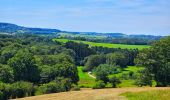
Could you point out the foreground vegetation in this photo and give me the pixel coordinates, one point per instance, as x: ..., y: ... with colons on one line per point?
x: 108, y: 45
x: 148, y: 95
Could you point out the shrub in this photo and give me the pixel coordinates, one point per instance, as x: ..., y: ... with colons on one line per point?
x: 58, y: 85
x: 114, y: 81
x: 51, y: 87
x: 21, y: 89
x: 1, y: 95
x: 99, y: 85
x: 5, y: 91
x: 75, y: 88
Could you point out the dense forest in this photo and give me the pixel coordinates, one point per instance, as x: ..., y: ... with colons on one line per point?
x: 33, y: 65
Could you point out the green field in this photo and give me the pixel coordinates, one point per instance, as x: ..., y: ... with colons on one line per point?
x: 108, y: 45
x: 125, y: 71
x: 148, y: 95
x: 85, y: 79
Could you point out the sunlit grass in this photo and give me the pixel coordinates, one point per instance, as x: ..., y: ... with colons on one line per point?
x: 148, y: 95
x: 108, y: 45
x: 84, y: 79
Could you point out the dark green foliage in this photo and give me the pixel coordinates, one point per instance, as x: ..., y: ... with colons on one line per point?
x: 94, y: 61
x: 114, y: 81
x: 8, y: 52
x: 6, y: 74
x: 99, y: 85
x: 144, y: 78
x: 34, y: 59
x: 157, y: 61
x: 117, y: 58
x: 59, y: 85
x: 60, y: 65
x: 24, y: 66
x: 21, y: 89
x: 102, y: 73
x: 81, y: 50
x: 5, y: 91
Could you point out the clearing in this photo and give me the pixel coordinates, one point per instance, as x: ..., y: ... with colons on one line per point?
x: 97, y: 94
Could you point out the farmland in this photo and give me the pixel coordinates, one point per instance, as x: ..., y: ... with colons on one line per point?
x: 108, y: 45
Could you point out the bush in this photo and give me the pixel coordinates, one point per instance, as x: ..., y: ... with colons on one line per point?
x: 1, y: 96
x: 75, y: 88
x: 22, y: 89
x: 114, y: 81
x: 58, y: 85
x: 5, y: 91
x: 51, y: 87
x: 99, y: 85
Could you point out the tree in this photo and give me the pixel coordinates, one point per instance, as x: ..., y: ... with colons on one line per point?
x: 116, y: 58
x: 102, y: 73
x: 99, y: 85
x: 114, y: 81
x: 6, y: 74
x: 60, y: 65
x: 81, y: 50
x: 94, y: 61
x: 24, y: 66
x: 144, y: 78
x: 157, y: 61
x: 8, y: 52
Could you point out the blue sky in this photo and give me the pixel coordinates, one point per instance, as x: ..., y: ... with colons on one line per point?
x: 126, y: 16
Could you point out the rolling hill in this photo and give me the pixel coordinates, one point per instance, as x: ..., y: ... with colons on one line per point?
x: 8, y: 28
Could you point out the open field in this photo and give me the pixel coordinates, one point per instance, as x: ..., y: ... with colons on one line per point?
x: 85, y: 79
x: 133, y: 69
x: 97, y: 94
x: 108, y: 45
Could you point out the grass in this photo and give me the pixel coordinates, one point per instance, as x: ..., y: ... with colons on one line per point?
x: 108, y: 45
x: 125, y: 71
x: 148, y: 95
x: 84, y: 79
x: 87, y: 81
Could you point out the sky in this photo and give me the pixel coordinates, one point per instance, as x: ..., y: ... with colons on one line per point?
x: 151, y: 17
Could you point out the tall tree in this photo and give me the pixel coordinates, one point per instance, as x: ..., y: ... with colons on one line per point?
x: 157, y: 61
x: 24, y: 66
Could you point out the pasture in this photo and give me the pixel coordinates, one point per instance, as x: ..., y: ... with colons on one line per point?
x: 108, y: 45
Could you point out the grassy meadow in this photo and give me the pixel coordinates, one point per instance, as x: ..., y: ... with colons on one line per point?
x: 148, y: 95
x: 88, y: 82
x: 108, y: 45
x: 84, y: 79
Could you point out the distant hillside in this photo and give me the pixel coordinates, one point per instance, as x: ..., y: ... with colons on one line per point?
x: 8, y: 28
x: 14, y: 29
